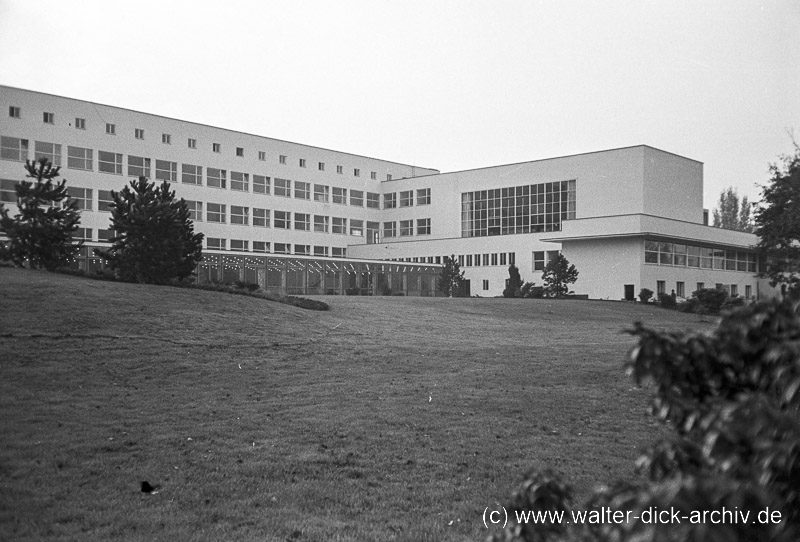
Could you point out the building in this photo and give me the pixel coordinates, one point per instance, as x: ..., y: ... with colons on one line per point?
x: 301, y: 219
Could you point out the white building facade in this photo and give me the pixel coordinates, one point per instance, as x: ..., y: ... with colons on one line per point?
x: 628, y: 218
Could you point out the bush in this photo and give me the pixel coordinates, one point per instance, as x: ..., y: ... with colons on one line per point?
x: 690, y: 305
x: 667, y: 300
x: 249, y: 286
x: 645, y: 294
x: 530, y: 291
x: 710, y: 300
x: 733, y: 302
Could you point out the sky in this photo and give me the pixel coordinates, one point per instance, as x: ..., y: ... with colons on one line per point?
x: 446, y: 84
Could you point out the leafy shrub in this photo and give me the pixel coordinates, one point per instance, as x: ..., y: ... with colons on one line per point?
x: 667, y: 300
x: 733, y: 302
x: 250, y: 286
x: 645, y: 294
x: 690, y: 305
x: 530, y: 290
x: 710, y: 299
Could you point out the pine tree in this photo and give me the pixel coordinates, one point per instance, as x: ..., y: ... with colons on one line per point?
x: 451, y: 277
x: 41, y: 233
x: 557, y: 275
x: 154, y: 240
x: 514, y: 283
x: 731, y: 213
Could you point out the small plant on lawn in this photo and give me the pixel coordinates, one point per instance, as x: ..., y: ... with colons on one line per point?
x: 41, y: 231
x: 558, y: 275
x: 451, y: 277
x: 645, y: 294
x: 154, y: 240
x: 514, y: 282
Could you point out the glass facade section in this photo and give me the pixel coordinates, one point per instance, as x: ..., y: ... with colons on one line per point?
x: 681, y: 255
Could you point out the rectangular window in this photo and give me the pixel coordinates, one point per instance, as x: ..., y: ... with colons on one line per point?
x: 166, y: 139
x: 83, y: 234
x: 214, y: 243
x: 701, y: 285
x: 138, y: 133
x: 79, y: 158
x: 357, y: 172
x: 14, y: 112
x: 538, y: 260
x: 283, y: 187
x: 748, y: 291
x: 240, y: 151
x: 240, y: 215
x: 406, y: 228
x: 240, y: 244
x: 260, y: 217
x: 406, y: 198
x: 109, y: 162
x: 512, y: 258
x: 373, y: 175
x: 191, y: 174
x: 80, y: 124
x: 302, y: 221
x: 680, y: 289
x: 321, y: 193
x: 388, y: 177
x: 49, y: 151
x: 195, y: 210
x: 282, y: 220
x: 12, y: 148
x: 262, y: 155
x: 340, y: 195
x: 338, y: 252
x: 261, y: 184
x: 104, y: 236
x: 192, y: 143
x: 321, y: 224
x: 49, y: 118
x: 390, y: 201
x: 339, y: 225
x: 340, y: 169
x: 216, y: 147
x: 494, y: 259
x: 734, y: 290
x: 661, y: 287
x: 423, y: 226
x: 104, y: 200
x: 356, y: 227
x: 260, y: 246
x: 215, y: 212
x: 82, y: 195
x: 423, y: 196
x: 373, y: 200
x: 485, y: 284
x: 502, y: 258
x: 282, y: 159
x: 389, y: 229
x: 302, y: 162
x: 216, y: 178
x: 469, y: 260
x: 240, y: 181
x: 321, y: 251
x: 138, y: 166
x: 321, y: 166
x: 282, y: 248
x: 167, y: 171
x: 111, y: 129
x: 8, y: 193
x: 302, y: 190
x: 357, y: 198
x: 302, y: 250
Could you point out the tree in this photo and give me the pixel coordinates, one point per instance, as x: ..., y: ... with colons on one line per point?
x: 154, y: 240
x: 451, y: 277
x: 777, y: 221
x: 731, y: 214
x: 514, y: 283
x: 557, y: 275
x: 41, y: 233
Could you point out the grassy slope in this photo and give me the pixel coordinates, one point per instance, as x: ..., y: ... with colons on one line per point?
x: 384, y: 418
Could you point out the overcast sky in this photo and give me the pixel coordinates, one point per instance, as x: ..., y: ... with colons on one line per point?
x: 445, y: 84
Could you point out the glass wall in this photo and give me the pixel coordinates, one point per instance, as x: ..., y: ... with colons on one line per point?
x: 683, y: 255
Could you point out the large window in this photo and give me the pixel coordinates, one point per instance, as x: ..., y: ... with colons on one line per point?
x: 215, y: 212
x: 214, y: 243
x: 240, y: 215
x: 261, y: 184
x: 195, y: 210
x: 240, y: 181
x: 517, y: 209
x: 390, y: 201
x: 406, y: 198
x: 7, y: 191
x: 49, y: 151
x: 282, y: 220
x: 109, y: 162
x: 302, y: 221
x: 340, y: 195
x: 283, y: 187
x: 321, y: 223
x: 82, y: 195
x: 12, y: 148
x: 79, y: 158
x: 373, y: 200
x: 216, y: 178
x: 321, y: 193
x: 682, y: 255
x: 191, y: 174
x: 138, y: 167
x: 166, y: 171
x: 260, y: 217
x: 240, y: 244
x: 339, y: 225
x: 302, y: 190
x: 357, y: 198
x: 357, y: 227
x: 423, y: 196
x: 390, y: 229
x: 104, y: 200
x: 423, y: 226
x: 406, y: 228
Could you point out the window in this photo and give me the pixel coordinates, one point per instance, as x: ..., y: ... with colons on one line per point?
x: 406, y: 228
x: 167, y: 171
x: 748, y: 291
x: 260, y: 246
x: 339, y: 225
x: 302, y: 162
x: 213, y: 243
x: 104, y: 236
x: 423, y: 196
x: 701, y: 285
x: 469, y: 260
x: 12, y: 148
x: 166, y: 139
x: 373, y: 200
x: 104, y: 200
x: 282, y: 220
x: 661, y: 287
x: 302, y: 250
x: 195, y: 210
x: 321, y: 224
x: 406, y: 198
x: 734, y: 290
x: 302, y: 221
x: 680, y: 289
x: 14, y: 112
x: 79, y: 158
x: 138, y: 166
x: 302, y: 190
x: 216, y: 147
x: 321, y: 166
x: 538, y: 260
x: 7, y: 191
x: 389, y: 229
x: 191, y: 174
x: 338, y: 252
x: 139, y: 133
x: 357, y: 198
x: 261, y: 184
x: 216, y: 178
x: 109, y: 162
x: 215, y: 212
x: 502, y: 258
x: 357, y: 172
x: 388, y: 176
x: 49, y: 118
x: 424, y: 226
x: 260, y: 217
x: 282, y: 159
x: 80, y: 124
x: 356, y: 227
x: 283, y: 187
x: 262, y: 155
x: 340, y: 195
x: 50, y: 151
x: 339, y: 169
x: 239, y: 244
x: 512, y: 258
x: 240, y: 215
x: 83, y: 234
x: 82, y: 195
x: 239, y: 152
x: 390, y: 201
x: 321, y: 251
x: 373, y: 175
x: 494, y: 259
x: 111, y: 129
x: 282, y: 248
x: 240, y: 181
x: 321, y: 193
x: 192, y: 143
x: 485, y: 284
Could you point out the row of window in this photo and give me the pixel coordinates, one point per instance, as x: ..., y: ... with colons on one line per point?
x: 468, y: 260
x: 683, y: 255
x: 680, y: 288
x: 243, y: 245
x: 139, y: 133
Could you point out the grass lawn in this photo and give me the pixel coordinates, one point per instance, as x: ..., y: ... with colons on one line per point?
x: 382, y: 419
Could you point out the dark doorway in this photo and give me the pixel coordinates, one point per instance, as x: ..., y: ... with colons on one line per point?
x: 629, y: 295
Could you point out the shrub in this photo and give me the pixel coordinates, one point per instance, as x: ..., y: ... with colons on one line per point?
x: 249, y: 286
x: 733, y: 302
x: 530, y: 290
x: 514, y: 282
x: 667, y: 300
x: 710, y: 299
x: 690, y: 305
x: 645, y: 294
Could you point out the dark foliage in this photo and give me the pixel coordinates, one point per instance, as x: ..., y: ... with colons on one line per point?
x: 530, y: 290
x: 645, y: 294
x: 558, y: 275
x: 514, y: 282
x: 451, y: 277
x: 710, y: 300
x: 667, y: 301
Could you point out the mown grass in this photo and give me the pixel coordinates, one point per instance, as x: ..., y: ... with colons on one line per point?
x: 381, y: 419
